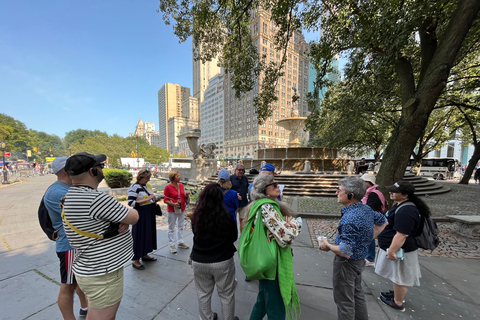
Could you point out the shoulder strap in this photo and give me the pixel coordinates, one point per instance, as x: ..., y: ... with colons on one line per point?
x: 80, y: 232
x: 407, y: 203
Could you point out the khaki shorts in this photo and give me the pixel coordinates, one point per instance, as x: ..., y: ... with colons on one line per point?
x: 102, y: 291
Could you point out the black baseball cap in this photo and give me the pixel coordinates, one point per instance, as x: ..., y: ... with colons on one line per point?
x: 402, y: 186
x: 82, y: 162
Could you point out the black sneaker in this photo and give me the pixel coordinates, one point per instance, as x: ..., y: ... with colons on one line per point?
x: 392, y: 304
x: 387, y: 294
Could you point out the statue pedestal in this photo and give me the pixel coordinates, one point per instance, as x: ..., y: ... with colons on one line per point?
x: 202, y: 169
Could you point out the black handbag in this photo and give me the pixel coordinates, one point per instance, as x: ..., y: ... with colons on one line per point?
x: 158, y: 210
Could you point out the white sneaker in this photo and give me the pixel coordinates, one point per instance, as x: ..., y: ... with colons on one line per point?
x: 173, y: 249
x: 183, y: 245
x: 369, y: 264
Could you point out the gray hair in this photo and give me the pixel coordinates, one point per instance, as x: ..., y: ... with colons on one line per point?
x: 354, y: 185
x: 258, y: 186
x: 258, y: 192
x: 239, y: 165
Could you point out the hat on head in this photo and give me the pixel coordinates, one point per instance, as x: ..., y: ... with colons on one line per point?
x: 224, y: 175
x: 82, y: 162
x: 402, y: 186
x: 58, y: 164
x: 268, y: 167
x: 369, y: 177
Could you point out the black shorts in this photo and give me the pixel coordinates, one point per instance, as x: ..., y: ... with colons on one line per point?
x: 66, y: 266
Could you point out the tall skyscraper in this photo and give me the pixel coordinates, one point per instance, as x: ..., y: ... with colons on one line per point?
x: 212, y: 115
x: 202, y: 73
x: 243, y: 134
x: 177, y: 112
x: 170, y: 98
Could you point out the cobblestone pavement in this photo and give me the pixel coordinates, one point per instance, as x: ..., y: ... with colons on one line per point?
x: 460, y: 200
x: 451, y: 245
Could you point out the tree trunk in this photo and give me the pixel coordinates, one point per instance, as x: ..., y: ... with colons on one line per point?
x: 418, y: 105
x: 471, y: 164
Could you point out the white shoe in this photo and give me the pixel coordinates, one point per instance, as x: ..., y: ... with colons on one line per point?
x: 173, y: 249
x: 369, y: 264
x: 183, y: 245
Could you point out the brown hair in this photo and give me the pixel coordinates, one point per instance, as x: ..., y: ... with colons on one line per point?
x: 172, y: 174
x: 143, y: 174
x: 225, y: 184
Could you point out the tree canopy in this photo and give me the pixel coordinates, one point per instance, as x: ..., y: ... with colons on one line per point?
x: 416, y: 41
x: 19, y: 139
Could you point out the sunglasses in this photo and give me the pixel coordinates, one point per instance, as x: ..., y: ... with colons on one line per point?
x: 275, y: 185
x: 101, y: 165
x: 241, y: 170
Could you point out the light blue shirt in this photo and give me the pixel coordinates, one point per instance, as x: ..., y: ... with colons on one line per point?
x: 52, y: 198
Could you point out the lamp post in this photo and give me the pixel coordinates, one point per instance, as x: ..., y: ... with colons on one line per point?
x: 3, y: 145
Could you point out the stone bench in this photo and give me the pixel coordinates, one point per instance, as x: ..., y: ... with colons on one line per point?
x: 468, y: 226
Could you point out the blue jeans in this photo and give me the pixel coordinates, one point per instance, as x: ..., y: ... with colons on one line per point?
x: 371, y: 251
x: 269, y: 301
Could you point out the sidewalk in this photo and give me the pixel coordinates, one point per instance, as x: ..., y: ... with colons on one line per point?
x: 165, y: 289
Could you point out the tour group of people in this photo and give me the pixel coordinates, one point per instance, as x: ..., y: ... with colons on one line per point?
x: 98, y: 236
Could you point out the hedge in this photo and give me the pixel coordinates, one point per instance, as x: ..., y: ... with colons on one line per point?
x: 117, y: 178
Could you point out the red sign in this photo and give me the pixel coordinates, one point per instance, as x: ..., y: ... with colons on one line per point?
x: 7, y: 154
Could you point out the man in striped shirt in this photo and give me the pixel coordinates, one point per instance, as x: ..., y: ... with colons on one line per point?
x: 65, y: 252
x: 100, y: 257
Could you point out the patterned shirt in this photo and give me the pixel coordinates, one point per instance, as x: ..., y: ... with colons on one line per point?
x: 355, y: 230
x: 283, y: 232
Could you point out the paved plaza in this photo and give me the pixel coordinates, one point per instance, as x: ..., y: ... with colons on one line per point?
x: 165, y: 289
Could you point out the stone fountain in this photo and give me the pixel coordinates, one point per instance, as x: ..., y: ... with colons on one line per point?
x: 294, y: 123
x: 295, y: 157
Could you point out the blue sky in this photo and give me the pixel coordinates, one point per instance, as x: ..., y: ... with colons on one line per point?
x: 67, y: 65
x: 95, y: 65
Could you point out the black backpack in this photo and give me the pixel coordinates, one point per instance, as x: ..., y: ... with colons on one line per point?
x: 427, y: 233
x: 46, y: 222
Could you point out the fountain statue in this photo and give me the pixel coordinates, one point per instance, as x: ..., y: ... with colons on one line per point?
x: 294, y: 123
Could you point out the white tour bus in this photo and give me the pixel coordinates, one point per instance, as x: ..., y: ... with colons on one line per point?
x: 436, y: 168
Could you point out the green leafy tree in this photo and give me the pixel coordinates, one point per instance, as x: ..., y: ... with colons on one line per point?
x: 462, y: 94
x: 15, y: 134
x: 356, y: 116
x: 77, y: 136
x: 46, y: 144
x: 420, y: 41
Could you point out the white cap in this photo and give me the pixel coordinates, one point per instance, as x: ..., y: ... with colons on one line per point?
x: 58, y: 164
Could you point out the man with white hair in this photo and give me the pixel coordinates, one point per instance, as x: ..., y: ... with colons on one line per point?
x: 65, y: 252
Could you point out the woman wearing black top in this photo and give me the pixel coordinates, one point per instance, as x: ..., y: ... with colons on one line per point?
x: 404, y: 221
x: 214, y: 232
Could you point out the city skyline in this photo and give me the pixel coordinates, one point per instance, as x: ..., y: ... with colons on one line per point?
x: 94, y: 66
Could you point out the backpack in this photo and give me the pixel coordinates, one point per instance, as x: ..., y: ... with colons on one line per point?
x: 46, y: 222
x: 427, y: 234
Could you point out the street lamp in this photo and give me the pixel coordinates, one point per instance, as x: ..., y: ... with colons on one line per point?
x: 3, y: 145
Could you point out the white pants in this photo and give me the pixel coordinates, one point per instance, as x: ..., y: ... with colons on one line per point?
x: 179, y: 220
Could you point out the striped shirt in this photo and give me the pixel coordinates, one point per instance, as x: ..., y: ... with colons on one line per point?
x: 92, y: 211
x: 138, y: 192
